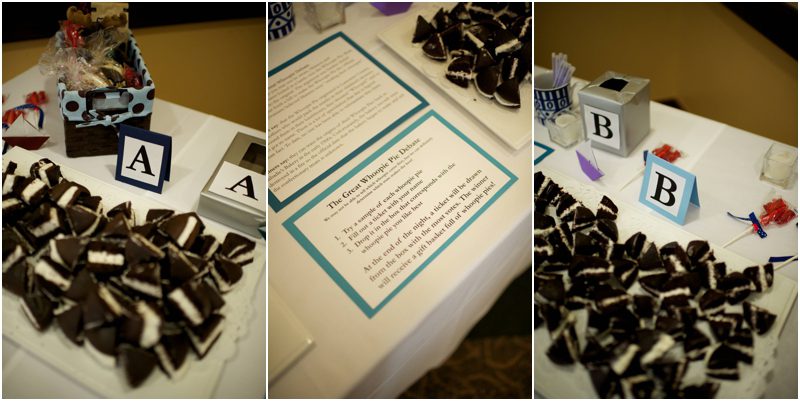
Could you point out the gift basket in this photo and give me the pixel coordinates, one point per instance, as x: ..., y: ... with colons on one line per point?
x: 102, y: 78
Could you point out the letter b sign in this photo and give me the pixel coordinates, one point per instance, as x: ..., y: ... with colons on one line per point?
x: 601, y: 126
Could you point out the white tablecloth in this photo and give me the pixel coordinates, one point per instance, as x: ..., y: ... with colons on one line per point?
x: 727, y: 163
x: 197, y: 139
x: 355, y: 356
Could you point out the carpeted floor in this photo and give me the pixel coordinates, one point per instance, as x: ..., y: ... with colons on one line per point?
x: 494, y: 361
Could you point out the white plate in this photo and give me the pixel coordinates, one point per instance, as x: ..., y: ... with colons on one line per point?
x: 513, y: 126
x: 75, y: 362
x: 554, y: 381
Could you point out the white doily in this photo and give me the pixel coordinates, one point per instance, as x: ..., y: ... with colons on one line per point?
x: 554, y: 381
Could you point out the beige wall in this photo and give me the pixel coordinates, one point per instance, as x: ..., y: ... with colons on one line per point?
x: 701, y: 54
x: 214, y: 67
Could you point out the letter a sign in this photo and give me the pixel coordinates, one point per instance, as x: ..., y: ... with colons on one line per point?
x: 143, y: 158
x: 668, y: 189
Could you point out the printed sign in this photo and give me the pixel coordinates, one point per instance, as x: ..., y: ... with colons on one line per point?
x: 143, y: 158
x: 668, y: 189
x: 241, y: 185
x: 602, y: 126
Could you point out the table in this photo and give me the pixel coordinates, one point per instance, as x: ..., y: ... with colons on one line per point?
x: 354, y: 356
x: 726, y: 161
x: 197, y: 137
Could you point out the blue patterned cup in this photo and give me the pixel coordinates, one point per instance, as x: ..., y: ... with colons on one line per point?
x: 548, y: 100
x: 280, y: 20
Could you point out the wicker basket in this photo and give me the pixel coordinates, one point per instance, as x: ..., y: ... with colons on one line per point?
x: 96, y: 140
x: 128, y: 106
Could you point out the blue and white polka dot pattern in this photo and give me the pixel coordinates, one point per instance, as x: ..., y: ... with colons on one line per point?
x: 73, y: 103
x: 549, y: 102
x: 281, y: 20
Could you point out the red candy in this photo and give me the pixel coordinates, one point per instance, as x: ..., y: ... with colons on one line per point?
x: 38, y: 98
x: 132, y: 78
x: 777, y: 212
x: 72, y: 34
x: 11, y: 115
x: 667, y: 153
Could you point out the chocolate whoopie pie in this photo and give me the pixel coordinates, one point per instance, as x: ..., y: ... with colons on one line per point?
x: 422, y: 31
x: 699, y: 251
x: 675, y: 258
x: 723, y: 325
x: 722, y: 364
x: 650, y: 259
x: 158, y: 215
x: 459, y: 71
x: 759, y: 319
x: 144, y: 278
x: 607, y: 209
x: 227, y: 273
x: 605, y: 381
x: 70, y: 319
x: 434, y: 48
x: 46, y: 171
x: 703, y: 391
x: 66, y: 193
x: 38, y: 308
x: 736, y: 286
x: 564, y: 349
x: 105, y: 256
x: 761, y: 276
x: 696, y: 344
x: 507, y: 93
x: 204, y: 336
x: 171, y: 352
x: 183, y: 229
x: 83, y: 221
x: 138, y: 364
x: 712, y: 302
x: 583, y: 218
x: 238, y: 249
x: 625, y: 271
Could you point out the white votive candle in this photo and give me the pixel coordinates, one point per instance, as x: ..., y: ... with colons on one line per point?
x: 779, y: 166
x: 565, y: 129
x: 780, y: 162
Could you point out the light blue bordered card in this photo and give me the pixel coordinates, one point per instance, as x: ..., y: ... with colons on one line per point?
x: 668, y: 189
x: 376, y: 228
x: 326, y: 105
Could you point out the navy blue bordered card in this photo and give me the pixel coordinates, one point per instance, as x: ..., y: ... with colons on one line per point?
x: 144, y: 158
x: 327, y: 105
x: 385, y: 221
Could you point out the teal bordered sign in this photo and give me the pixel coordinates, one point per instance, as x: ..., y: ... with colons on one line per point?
x: 668, y: 189
x: 312, y: 250
x: 277, y: 204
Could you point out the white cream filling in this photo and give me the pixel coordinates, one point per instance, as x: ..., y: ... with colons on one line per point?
x: 590, y: 270
x: 151, y: 330
x: 671, y: 293
x: 626, y: 274
x: 7, y: 203
x: 474, y: 39
x: 512, y: 76
x: 459, y: 74
x: 186, y: 306
x: 54, y: 255
x: 67, y: 196
x: 48, y: 226
x: 144, y: 287
x: 203, y: 346
x: 762, y: 278
x: 221, y: 283
x: 63, y: 307
x: 43, y: 172
x: 109, y: 300
x: 244, y: 257
x: 679, y: 267
x: 32, y: 189
x: 743, y: 349
x: 8, y: 184
x: 211, y: 249
x: 166, y: 363
x: 665, y: 342
x: 51, y: 275
x: 106, y: 258
x: 623, y: 361
x: 29, y: 314
x: 613, y: 300
x: 13, y: 258
x: 714, y: 310
x: 629, y: 382
x: 511, y: 45
x: 191, y: 223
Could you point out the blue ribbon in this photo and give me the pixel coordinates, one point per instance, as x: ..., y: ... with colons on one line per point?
x: 30, y: 106
x: 754, y: 221
x: 774, y: 259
